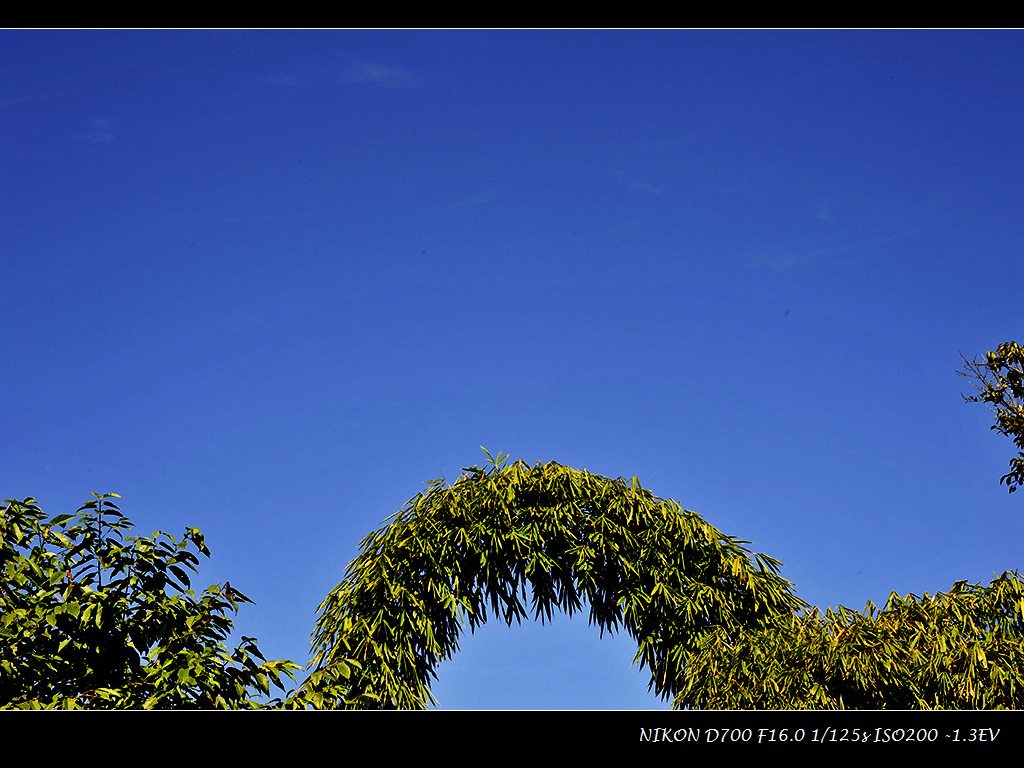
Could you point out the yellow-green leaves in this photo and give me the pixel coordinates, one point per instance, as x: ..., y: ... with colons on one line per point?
x: 553, y: 536
x: 962, y: 649
x: 715, y: 626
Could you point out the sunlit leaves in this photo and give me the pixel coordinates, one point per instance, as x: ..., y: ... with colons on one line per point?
x: 715, y: 626
x: 92, y: 617
x: 515, y: 541
x: 963, y: 649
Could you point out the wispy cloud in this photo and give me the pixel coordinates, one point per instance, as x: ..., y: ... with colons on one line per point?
x: 477, y: 198
x: 102, y: 130
x: 842, y: 247
x: 786, y: 259
x: 644, y: 188
x: 628, y: 180
x: 824, y: 212
x: 19, y: 101
x: 380, y: 76
x: 280, y: 80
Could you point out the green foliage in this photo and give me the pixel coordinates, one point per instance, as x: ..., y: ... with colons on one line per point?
x: 999, y: 380
x: 459, y: 551
x: 717, y: 628
x: 91, y: 617
x: 963, y: 649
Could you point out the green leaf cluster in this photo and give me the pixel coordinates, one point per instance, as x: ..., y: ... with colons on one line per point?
x: 962, y: 649
x: 998, y: 378
x: 92, y: 617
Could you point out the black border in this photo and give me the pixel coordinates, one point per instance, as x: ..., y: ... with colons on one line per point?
x: 470, y: 735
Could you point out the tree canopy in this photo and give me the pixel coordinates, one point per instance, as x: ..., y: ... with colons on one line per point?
x: 92, y: 617
x: 664, y: 574
x: 961, y: 649
x: 717, y: 627
x: 998, y: 378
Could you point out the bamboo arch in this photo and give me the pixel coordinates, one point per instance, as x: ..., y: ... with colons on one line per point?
x: 456, y: 551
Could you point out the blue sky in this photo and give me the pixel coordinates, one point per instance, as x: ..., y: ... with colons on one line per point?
x: 271, y: 283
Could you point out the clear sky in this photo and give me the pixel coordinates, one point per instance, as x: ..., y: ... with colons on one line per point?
x: 271, y: 283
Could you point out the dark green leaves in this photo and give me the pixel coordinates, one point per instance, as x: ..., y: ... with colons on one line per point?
x: 999, y: 381
x: 92, y: 617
